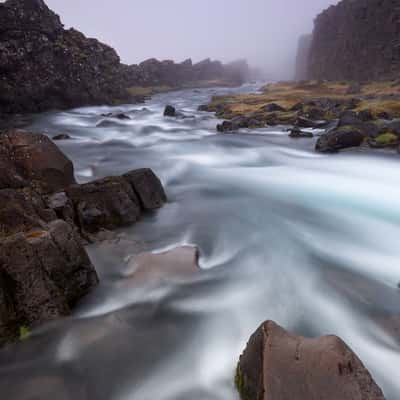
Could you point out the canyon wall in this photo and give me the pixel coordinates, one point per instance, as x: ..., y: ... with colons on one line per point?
x: 356, y: 40
x: 44, y: 66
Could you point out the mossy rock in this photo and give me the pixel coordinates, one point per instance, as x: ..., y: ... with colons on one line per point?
x: 387, y: 138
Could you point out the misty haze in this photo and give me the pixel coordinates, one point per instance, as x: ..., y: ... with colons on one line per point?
x: 199, y: 200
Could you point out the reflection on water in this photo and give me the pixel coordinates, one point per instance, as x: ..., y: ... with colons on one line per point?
x: 310, y: 241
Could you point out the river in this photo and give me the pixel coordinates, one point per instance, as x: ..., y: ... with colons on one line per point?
x: 308, y: 240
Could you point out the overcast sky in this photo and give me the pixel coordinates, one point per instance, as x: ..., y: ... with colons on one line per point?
x: 263, y: 31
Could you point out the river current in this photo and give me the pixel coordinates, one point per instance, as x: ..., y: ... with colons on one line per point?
x: 310, y: 241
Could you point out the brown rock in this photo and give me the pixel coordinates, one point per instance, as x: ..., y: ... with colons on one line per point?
x: 147, y: 187
x: 278, y: 365
x: 42, y: 274
x: 34, y: 158
x: 107, y: 203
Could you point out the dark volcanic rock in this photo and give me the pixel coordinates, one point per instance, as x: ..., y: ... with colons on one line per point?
x: 303, y: 122
x: 44, y: 273
x: 43, y: 66
x: 170, y: 111
x: 104, y: 204
x: 340, y: 138
x: 277, y: 365
x: 34, y: 158
x: 147, y: 187
x: 272, y: 107
x: 349, y: 118
x: 356, y: 40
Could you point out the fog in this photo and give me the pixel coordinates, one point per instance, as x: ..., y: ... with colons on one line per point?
x: 265, y: 32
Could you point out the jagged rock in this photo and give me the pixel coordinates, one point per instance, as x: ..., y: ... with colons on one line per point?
x: 147, y: 187
x: 340, y: 138
x: 45, y: 66
x: 43, y: 273
x: 170, y: 111
x: 22, y: 211
x: 107, y: 203
x: 393, y: 127
x: 34, y: 158
x: 277, y: 365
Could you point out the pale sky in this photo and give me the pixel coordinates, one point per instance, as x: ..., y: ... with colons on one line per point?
x: 263, y: 31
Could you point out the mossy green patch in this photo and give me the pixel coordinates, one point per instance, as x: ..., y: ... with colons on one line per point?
x: 24, y: 333
x: 387, y: 138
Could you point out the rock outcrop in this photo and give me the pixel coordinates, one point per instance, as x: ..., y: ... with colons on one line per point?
x: 277, y: 365
x: 45, y: 219
x: 356, y: 40
x: 44, y: 66
x: 153, y: 72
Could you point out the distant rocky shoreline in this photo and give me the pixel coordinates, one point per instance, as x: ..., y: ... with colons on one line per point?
x: 346, y: 115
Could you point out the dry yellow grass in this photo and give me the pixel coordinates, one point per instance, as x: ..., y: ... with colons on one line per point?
x: 287, y: 94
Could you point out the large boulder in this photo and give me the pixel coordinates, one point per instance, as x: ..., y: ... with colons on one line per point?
x: 277, y: 365
x: 33, y: 159
x: 147, y: 187
x: 43, y: 273
x: 339, y: 139
x: 104, y: 204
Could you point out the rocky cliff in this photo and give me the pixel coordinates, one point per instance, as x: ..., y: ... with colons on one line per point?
x: 356, y: 40
x: 302, y: 58
x: 44, y: 66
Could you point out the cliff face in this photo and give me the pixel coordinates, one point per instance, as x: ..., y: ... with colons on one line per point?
x: 302, y: 58
x: 356, y: 40
x: 43, y: 66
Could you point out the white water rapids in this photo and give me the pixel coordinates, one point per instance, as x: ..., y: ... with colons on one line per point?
x: 308, y: 240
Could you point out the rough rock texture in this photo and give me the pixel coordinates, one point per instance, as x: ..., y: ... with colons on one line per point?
x: 33, y: 159
x: 104, y: 204
x: 44, y: 273
x: 356, y: 40
x: 44, y: 215
x: 339, y: 139
x: 147, y: 187
x: 277, y: 365
x: 43, y: 66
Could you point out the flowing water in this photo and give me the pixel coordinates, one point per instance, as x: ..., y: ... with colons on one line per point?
x: 308, y: 240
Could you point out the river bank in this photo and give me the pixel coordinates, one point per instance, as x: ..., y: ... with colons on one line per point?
x: 342, y: 114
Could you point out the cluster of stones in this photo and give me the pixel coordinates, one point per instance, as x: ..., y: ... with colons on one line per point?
x: 45, y: 219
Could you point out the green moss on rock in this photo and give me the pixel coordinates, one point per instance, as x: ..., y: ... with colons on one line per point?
x: 387, y: 138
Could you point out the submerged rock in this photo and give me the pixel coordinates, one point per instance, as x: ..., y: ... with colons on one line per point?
x: 62, y: 136
x: 170, y: 111
x: 277, y: 365
x: 340, y: 138
x: 151, y: 268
